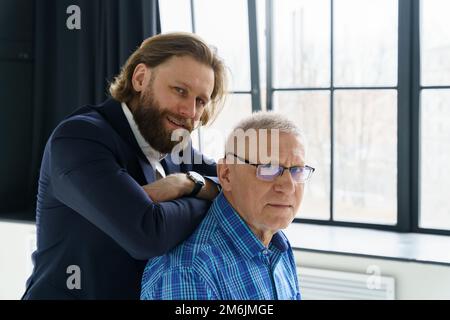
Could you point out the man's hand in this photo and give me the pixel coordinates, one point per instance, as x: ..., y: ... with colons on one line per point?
x: 172, y: 187
x: 178, y: 185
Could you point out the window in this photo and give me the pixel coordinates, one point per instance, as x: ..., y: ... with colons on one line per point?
x: 434, y: 115
x: 365, y: 156
x: 335, y: 74
x: 368, y: 81
x: 311, y: 111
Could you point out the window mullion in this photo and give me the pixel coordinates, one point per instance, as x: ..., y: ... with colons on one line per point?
x: 269, y: 54
x: 332, y: 110
x: 404, y: 115
x: 254, y: 59
x: 415, y: 118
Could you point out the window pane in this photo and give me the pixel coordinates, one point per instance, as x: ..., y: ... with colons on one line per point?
x: 435, y: 159
x: 301, y: 43
x: 224, y: 24
x: 365, y: 159
x: 435, y: 42
x: 237, y: 107
x: 365, y: 42
x: 175, y: 15
x: 310, y: 111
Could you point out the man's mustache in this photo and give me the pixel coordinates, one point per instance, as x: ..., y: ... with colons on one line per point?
x: 188, y: 124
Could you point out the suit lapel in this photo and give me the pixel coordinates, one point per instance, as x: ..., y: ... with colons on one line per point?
x: 147, y: 169
x: 169, y: 166
x: 112, y: 111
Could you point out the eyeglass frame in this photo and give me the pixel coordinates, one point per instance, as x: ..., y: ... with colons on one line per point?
x: 280, y: 174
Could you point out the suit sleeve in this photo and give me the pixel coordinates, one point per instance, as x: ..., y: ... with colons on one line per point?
x: 87, y: 177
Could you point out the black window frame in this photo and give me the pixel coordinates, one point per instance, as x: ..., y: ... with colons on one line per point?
x: 408, y: 109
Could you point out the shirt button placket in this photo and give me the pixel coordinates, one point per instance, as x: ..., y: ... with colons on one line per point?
x: 266, y: 257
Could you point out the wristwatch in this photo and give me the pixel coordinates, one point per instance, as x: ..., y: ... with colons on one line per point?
x: 198, y: 180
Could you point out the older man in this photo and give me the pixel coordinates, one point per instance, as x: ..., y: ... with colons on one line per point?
x: 238, y: 251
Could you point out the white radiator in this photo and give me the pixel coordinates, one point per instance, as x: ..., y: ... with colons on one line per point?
x: 320, y: 284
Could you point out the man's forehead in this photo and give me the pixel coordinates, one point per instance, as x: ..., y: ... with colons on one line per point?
x: 264, y: 138
x: 264, y: 147
x: 190, y: 78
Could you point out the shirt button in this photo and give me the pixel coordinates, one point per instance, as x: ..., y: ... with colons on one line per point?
x: 265, y: 251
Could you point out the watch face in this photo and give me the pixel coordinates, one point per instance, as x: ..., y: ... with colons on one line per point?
x: 197, y: 177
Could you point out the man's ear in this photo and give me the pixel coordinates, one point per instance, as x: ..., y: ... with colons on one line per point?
x: 223, y: 173
x: 139, y: 75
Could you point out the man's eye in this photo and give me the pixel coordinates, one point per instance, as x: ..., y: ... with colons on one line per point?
x: 200, y: 102
x: 180, y: 90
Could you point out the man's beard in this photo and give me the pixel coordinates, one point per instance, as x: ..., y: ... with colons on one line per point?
x: 150, y: 119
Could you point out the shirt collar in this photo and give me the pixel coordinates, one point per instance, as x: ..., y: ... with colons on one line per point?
x: 143, y: 144
x: 239, y: 233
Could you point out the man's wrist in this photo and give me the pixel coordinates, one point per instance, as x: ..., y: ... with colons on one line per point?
x: 198, y: 181
x: 210, y: 191
x: 188, y: 186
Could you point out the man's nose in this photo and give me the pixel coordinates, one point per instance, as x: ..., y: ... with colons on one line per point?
x: 285, y: 183
x: 187, y: 108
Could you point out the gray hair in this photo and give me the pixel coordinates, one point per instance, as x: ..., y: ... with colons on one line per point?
x: 270, y: 121
x: 263, y: 120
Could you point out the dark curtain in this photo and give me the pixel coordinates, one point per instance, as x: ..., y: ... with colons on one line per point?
x: 74, y: 67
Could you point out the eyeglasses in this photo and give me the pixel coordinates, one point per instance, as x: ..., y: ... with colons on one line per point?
x: 269, y: 172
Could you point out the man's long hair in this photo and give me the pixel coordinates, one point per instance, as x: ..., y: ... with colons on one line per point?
x: 156, y: 50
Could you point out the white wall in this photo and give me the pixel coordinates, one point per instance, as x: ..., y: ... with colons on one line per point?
x: 413, y: 280
x: 16, y: 244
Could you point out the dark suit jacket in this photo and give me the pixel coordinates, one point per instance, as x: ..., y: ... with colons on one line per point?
x: 93, y: 214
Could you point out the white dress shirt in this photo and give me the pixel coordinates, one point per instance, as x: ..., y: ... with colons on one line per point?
x: 153, y: 156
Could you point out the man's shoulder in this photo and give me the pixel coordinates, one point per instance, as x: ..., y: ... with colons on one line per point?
x: 202, y: 242
x: 164, y: 279
x: 87, y: 121
x: 190, y: 264
x: 193, y: 254
x: 90, y: 124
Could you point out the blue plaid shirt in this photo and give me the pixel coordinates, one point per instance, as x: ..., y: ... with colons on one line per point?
x: 223, y: 259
